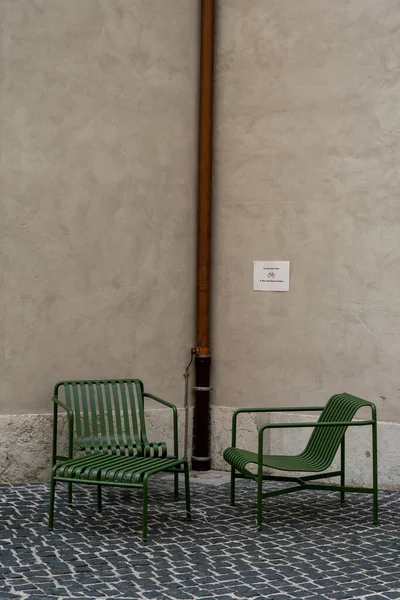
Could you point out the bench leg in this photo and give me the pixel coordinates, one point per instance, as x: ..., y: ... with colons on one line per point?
x: 70, y: 494
x: 259, y: 502
x: 145, y: 507
x: 342, y: 469
x: 51, y: 506
x: 187, y: 491
x: 176, y: 486
x: 375, y: 473
x: 233, y: 486
x: 99, y: 504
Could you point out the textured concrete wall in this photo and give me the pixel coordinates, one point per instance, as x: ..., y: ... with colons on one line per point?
x: 98, y: 143
x: 307, y: 170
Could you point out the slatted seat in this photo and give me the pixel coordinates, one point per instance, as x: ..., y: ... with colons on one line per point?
x: 241, y: 458
x: 327, y: 436
x: 108, y: 442
x: 111, y: 468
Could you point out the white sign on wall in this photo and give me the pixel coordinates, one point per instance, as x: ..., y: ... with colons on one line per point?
x: 271, y: 276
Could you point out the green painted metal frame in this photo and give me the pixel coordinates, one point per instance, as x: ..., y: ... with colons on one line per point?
x: 238, y: 459
x: 107, y: 426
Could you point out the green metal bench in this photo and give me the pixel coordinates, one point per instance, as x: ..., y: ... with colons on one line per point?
x: 108, y: 443
x: 328, y: 434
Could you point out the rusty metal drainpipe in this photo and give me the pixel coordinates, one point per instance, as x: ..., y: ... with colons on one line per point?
x: 201, y: 460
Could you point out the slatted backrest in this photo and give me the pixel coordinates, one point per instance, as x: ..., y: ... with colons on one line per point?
x: 325, y: 441
x: 108, y: 415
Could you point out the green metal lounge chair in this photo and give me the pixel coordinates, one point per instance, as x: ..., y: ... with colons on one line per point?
x: 108, y: 443
x: 328, y: 434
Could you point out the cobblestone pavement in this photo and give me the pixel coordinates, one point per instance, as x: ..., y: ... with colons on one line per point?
x: 309, y: 548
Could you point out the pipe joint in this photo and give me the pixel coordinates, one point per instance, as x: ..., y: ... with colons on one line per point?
x: 203, y: 351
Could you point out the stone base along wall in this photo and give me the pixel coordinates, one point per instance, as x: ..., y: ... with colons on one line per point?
x: 25, y: 451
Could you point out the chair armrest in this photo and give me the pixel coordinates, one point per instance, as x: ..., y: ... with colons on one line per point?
x: 157, y: 399
x: 70, y: 417
x: 174, y: 416
x: 278, y: 409
x: 63, y: 405
x: 286, y: 425
x: 266, y: 410
x: 317, y: 424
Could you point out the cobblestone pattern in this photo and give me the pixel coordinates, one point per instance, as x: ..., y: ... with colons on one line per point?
x: 310, y: 548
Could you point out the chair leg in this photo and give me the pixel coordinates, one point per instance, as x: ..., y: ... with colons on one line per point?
x: 70, y: 494
x: 51, y: 506
x: 99, y: 502
x: 187, y: 491
x: 233, y: 486
x: 176, y: 486
x: 145, y: 508
x: 375, y: 473
x: 259, y: 503
x: 342, y: 469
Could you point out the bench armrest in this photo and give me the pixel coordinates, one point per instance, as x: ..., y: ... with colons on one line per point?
x: 174, y: 416
x: 70, y: 417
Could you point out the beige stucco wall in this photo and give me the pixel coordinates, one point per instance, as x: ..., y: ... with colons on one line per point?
x: 307, y: 153
x: 98, y: 107
x: 98, y: 142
